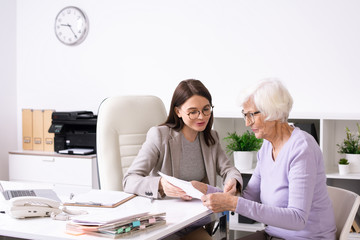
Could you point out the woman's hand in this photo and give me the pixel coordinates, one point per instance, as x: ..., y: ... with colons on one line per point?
x: 220, y: 202
x: 230, y: 187
x: 173, y: 191
x: 202, y: 187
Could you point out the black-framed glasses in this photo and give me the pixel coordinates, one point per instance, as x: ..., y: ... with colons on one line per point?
x: 206, y: 111
x: 249, y: 116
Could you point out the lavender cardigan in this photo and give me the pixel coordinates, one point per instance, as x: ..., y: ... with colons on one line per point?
x: 290, y: 194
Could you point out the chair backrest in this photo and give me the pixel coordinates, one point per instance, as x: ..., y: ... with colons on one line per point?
x: 345, y: 204
x: 122, y: 124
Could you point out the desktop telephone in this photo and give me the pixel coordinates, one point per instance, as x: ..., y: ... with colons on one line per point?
x: 22, y: 207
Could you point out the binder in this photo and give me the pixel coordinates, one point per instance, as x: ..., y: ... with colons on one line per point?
x: 38, y: 130
x: 27, y: 131
x: 48, y: 137
x: 356, y: 227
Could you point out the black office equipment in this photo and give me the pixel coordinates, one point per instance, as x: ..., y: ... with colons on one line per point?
x: 74, y: 130
x: 309, y: 128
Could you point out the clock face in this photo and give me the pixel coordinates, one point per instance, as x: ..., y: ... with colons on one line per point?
x: 71, y: 26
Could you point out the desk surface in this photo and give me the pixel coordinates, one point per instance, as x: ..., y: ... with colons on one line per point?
x: 179, y: 214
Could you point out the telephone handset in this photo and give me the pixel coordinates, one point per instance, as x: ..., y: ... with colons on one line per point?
x: 22, y: 207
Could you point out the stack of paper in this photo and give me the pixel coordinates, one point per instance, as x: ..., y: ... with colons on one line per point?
x: 115, y: 227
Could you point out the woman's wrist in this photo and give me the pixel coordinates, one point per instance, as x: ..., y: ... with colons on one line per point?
x: 161, y: 190
x: 233, y: 203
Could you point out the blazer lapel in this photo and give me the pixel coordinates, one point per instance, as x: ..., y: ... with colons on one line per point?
x: 175, y: 151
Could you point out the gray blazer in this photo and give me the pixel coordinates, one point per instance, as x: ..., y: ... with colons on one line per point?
x: 161, y: 151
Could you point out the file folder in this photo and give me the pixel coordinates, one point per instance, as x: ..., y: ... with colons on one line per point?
x: 27, y: 132
x: 38, y: 130
x: 95, y: 198
x: 48, y: 137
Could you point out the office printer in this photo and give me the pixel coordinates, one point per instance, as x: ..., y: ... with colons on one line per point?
x: 75, y: 132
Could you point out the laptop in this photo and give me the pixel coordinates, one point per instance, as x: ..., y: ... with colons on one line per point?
x: 46, y: 193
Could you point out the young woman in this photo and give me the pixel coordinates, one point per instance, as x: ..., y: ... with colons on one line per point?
x: 184, y: 147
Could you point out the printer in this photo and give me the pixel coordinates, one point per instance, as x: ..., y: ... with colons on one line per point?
x: 75, y: 132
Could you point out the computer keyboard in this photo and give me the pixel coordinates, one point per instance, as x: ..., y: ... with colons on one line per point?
x: 22, y: 193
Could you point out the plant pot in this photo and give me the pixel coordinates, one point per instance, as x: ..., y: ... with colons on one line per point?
x: 354, y: 160
x: 344, y: 169
x: 244, y: 160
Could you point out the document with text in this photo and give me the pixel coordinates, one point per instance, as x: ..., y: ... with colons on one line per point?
x: 184, y: 185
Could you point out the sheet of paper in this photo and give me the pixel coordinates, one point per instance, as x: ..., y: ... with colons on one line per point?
x: 184, y: 185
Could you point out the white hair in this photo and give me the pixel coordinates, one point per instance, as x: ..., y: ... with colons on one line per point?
x: 270, y: 97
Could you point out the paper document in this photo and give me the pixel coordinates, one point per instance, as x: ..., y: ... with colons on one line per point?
x: 184, y: 185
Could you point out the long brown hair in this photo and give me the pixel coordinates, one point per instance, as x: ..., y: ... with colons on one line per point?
x: 185, y: 90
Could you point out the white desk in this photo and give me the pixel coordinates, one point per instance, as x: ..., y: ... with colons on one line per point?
x: 179, y: 214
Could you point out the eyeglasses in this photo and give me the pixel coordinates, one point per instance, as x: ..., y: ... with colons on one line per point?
x: 196, y: 113
x: 250, y: 116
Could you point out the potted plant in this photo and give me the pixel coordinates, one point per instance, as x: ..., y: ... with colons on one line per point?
x: 343, y: 166
x: 244, y: 148
x: 351, y: 148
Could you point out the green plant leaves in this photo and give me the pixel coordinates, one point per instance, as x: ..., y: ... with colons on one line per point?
x: 245, y: 142
x: 343, y: 161
x: 351, y: 142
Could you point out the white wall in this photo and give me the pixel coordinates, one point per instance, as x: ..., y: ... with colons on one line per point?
x: 147, y: 47
x: 8, y: 127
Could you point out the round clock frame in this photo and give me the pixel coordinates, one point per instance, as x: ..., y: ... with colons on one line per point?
x: 71, y: 26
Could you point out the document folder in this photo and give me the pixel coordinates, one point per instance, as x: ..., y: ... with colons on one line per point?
x: 105, y: 199
x: 27, y: 132
x: 38, y: 130
x: 48, y: 137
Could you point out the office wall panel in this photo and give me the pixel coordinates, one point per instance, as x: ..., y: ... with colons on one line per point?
x: 147, y: 47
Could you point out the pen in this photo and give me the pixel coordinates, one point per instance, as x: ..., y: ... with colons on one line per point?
x: 88, y: 203
x: 2, y: 212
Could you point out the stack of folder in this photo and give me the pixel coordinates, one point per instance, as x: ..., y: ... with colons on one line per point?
x: 125, y: 226
x: 355, y: 227
x: 35, y: 129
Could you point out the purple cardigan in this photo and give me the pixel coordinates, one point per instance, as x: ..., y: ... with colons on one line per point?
x: 290, y: 194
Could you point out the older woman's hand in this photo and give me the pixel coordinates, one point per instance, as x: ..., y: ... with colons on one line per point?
x: 220, y: 202
x: 230, y: 187
x: 202, y: 187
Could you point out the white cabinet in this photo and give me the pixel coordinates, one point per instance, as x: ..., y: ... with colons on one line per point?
x: 62, y: 171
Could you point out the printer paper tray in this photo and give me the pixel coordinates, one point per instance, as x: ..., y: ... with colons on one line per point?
x: 77, y: 151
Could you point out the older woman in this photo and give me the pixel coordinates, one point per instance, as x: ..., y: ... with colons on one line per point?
x: 287, y: 190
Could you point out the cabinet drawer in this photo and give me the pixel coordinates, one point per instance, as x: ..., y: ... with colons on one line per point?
x: 50, y: 169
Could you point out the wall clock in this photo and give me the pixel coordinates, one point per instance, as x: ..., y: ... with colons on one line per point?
x: 71, y: 26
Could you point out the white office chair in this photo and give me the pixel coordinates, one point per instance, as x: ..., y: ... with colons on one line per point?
x: 122, y: 124
x: 345, y: 204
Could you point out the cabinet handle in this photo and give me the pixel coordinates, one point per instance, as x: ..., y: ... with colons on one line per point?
x: 49, y: 160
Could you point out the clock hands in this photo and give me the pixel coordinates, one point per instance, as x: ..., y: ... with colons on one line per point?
x: 68, y: 25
